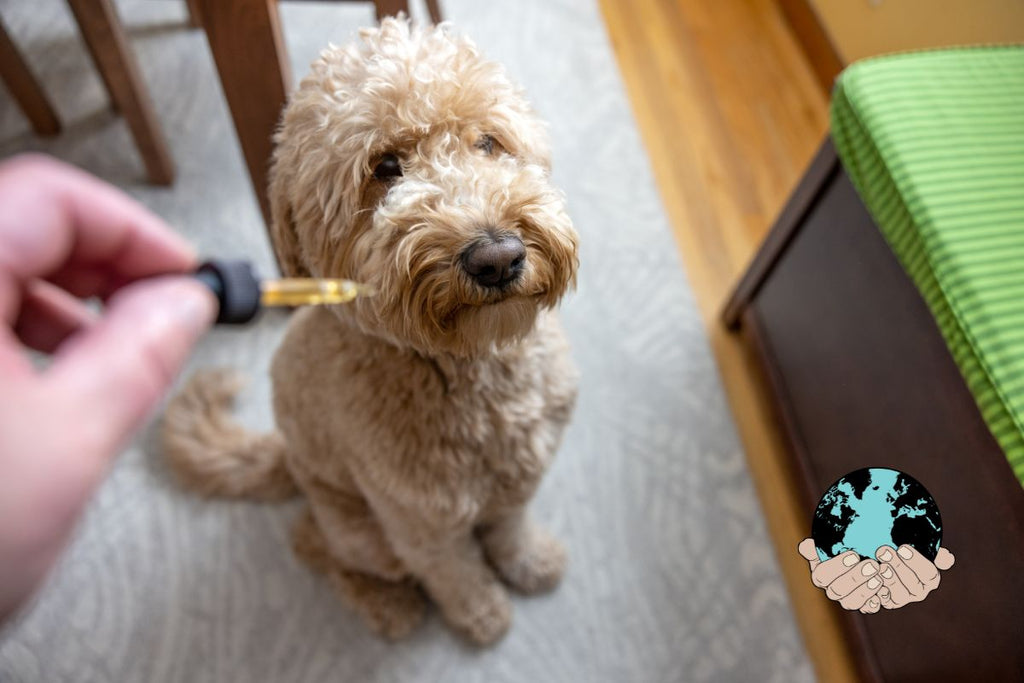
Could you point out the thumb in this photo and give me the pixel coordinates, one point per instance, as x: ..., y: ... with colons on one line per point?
x: 809, y: 552
x: 111, y: 374
x: 944, y: 559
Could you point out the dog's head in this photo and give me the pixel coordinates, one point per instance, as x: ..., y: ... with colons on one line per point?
x: 408, y: 162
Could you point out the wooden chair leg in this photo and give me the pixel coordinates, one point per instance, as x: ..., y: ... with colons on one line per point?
x: 245, y: 39
x: 103, y: 33
x: 435, y: 11
x: 195, y: 19
x: 103, y: 76
x: 390, y: 8
x: 25, y: 88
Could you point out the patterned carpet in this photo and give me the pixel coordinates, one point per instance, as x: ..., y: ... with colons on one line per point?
x: 672, y: 577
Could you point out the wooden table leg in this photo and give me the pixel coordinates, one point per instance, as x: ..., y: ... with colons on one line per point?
x: 435, y: 11
x: 245, y: 39
x: 391, y: 8
x: 103, y: 33
x: 194, y: 14
x: 25, y: 88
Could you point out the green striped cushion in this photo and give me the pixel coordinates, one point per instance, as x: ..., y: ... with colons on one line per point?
x: 934, y: 143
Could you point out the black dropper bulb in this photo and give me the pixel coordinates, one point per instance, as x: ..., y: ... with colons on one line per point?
x: 236, y: 287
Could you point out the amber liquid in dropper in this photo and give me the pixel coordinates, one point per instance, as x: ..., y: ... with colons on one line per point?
x: 310, y: 291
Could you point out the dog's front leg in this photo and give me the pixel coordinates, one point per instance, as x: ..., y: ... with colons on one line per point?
x: 529, y: 558
x: 449, y: 562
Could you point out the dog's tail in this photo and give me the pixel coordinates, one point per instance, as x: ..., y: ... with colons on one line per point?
x: 214, y: 455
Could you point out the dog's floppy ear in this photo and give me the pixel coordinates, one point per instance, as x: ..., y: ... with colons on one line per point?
x: 283, y: 238
x: 285, y: 242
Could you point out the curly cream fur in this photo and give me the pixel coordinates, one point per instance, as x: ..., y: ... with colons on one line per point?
x: 416, y: 423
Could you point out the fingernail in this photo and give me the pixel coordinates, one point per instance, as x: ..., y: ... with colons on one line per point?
x: 885, y: 555
x: 873, y: 602
x: 850, y: 559
x: 887, y: 572
x: 868, y: 569
x: 874, y: 583
x: 905, y: 552
x: 884, y: 593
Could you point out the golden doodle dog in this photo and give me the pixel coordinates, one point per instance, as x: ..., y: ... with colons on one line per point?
x: 416, y: 423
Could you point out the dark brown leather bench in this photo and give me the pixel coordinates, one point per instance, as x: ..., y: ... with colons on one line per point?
x: 861, y: 376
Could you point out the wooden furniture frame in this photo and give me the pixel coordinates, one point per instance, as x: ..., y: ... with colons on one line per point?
x: 245, y: 38
x: 25, y: 89
x: 810, y: 32
x: 107, y: 43
x: 861, y: 376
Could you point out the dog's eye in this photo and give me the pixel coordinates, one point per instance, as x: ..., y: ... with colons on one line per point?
x: 486, y: 143
x: 387, y: 168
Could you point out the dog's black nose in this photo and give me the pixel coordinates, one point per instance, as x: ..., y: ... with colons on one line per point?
x: 495, y: 261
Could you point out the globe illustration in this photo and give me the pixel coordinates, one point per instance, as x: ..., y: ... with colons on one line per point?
x: 872, y: 507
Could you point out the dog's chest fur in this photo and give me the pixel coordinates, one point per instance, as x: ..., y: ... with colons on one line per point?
x: 472, y: 436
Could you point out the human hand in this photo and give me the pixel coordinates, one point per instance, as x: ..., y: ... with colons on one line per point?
x: 65, y: 236
x: 907, y: 575
x: 845, y: 578
x: 897, y: 579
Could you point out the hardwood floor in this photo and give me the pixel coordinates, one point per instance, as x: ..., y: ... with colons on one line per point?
x: 731, y: 114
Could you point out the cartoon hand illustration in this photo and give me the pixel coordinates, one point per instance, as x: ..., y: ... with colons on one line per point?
x: 845, y: 578
x: 898, y: 578
x: 907, y: 575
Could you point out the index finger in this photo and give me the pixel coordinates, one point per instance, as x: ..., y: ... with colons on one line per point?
x: 906, y: 575
x: 925, y: 570
x: 862, y: 573
x: 61, y: 224
x: 830, y: 570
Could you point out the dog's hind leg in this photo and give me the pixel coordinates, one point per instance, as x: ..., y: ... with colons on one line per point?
x: 351, y: 532
x: 391, y: 608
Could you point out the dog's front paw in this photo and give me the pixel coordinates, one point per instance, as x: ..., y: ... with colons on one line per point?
x: 537, y: 567
x: 483, y: 617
